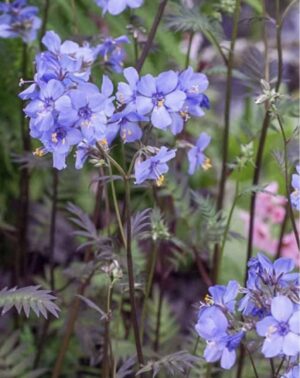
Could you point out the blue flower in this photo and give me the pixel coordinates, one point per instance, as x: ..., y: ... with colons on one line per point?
x: 224, y: 296
x: 19, y: 20
x: 295, y: 196
x: 58, y: 141
x: 65, y: 61
x: 224, y: 349
x: 84, y: 107
x: 113, y: 52
x: 154, y: 167
x: 42, y: 110
x: 193, y: 85
x: 159, y: 98
x: 212, y: 323
x: 115, y: 7
x: 127, y: 124
x: 126, y: 94
x: 196, y: 156
x: 281, y: 329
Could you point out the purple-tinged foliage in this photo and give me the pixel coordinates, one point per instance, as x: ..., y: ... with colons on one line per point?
x: 17, y: 19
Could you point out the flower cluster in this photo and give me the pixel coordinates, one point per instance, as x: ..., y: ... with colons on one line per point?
x: 270, y: 210
x: 295, y: 196
x: 269, y: 306
x: 115, y: 7
x: 113, y: 53
x: 64, y: 109
x: 19, y: 20
x: 169, y: 99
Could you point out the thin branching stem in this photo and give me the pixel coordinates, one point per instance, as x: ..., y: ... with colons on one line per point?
x: 158, y: 320
x: 193, y: 354
x: 106, y: 343
x: 263, y: 136
x: 116, y: 206
x: 228, y: 95
x: 252, y: 363
x: 152, y: 265
x: 282, y: 231
x: 21, y: 250
x: 53, y: 226
x: 45, y: 20
x: 151, y: 36
x: 188, y: 53
x: 287, y: 178
x: 131, y: 276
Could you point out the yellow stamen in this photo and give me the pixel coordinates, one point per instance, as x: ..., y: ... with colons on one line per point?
x: 208, y: 300
x: 39, y: 152
x: 160, y: 180
x: 160, y: 103
x: 207, y: 164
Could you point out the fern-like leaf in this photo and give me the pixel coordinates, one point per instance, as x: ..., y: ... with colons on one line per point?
x: 175, y: 363
x: 28, y: 298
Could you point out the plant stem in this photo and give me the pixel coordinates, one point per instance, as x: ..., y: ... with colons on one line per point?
x: 149, y: 282
x: 252, y: 363
x: 228, y: 95
x: 45, y: 20
x: 74, y: 307
x: 21, y: 250
x: 272, y: 367
x: 116, y: 206
x: 131, y: 276
x: 193, y: 354
x: 201, y: 268
x: 282, y: 231
x: 158, y: 320
x: 266, y: 122
x: 279, y: 368
x: 151, y: 36
x: 52, y: 226
x: 188, y: 53
x: 227, y: 227
x: 287, y: 186
x: 106, y: 359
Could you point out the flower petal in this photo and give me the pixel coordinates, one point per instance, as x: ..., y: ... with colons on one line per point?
x: 160, y: 117
x: 175, y: 100
x: 291, y: 344
x: 228, y: 359
x: 272, y: 346
x: 262, y: 327
x: 167, y: 81
x: 147, y: 86
x: 281, y: 308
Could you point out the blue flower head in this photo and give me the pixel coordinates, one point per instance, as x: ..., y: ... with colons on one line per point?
x: 159, y: 98
x: 224, y: 349
x: 19, y: 20
x: 294, y: 372
x: 212, y: 323
x: 126, y: 94
x: 295, y: 196
x: 281, y: 329
x: 116, y: 7
x: 224, y: 296
x: 196, y: 155
x: 125, y: 123
x: 154, y: 167
x: 113, y: 52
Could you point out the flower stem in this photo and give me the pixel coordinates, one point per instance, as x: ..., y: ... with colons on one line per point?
x: 287, y: 186
x: 151, y: 36
x: 116, y: 206
x: 228, y: 95
x: 45, y: 20
x: 227, y: 227
x: 149, y: 282
x: 106, y: 344
x: 52, y: 226
x: 131, y: 275
x: 188, y: 53
x: 21, y: 250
